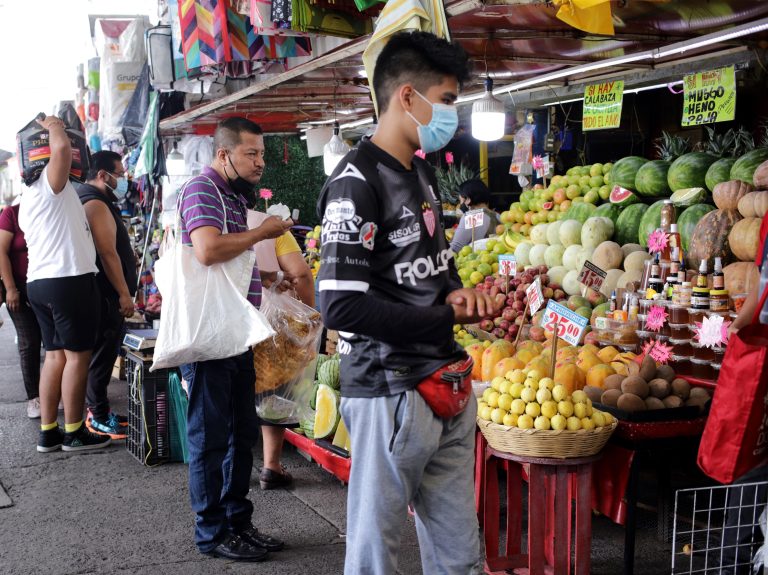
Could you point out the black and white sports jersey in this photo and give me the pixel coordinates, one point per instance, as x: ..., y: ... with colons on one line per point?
x: 386, y: 270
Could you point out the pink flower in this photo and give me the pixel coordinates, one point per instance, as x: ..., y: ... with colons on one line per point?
x: 265, y: 194
x: 421, y: 154
x: 449, y: 158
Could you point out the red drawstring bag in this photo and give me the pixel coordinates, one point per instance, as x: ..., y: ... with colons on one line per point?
x: 735, y: 438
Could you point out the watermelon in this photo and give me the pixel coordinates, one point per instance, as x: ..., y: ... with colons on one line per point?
x: 581, y: 211
x: 649, y: 223
x: 710, y: 238
x: 744, y: 168
x: 687, y: 221
x: 628, y: 224
x: 609, y: 211
x: 328, y: 374
x: 689, y: 170
x: 718, y: 172
x: 688, y: 197
x: 625, y: 170
x: 651, y: 179
x: 622, y: 196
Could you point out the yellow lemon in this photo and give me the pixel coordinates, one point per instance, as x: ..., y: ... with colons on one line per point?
x: 525, y: 422
x: 516, y: 390
x: 543, y: 395
x: 517, y: 376
x: 542, y: 422
x: 587, y: 423
x: 533, y: 409
x: 518, y: 407
x: 558, y: 422
x: 527, y: 395
x: 497, y: 415
x: 598, y: 419
x: 549, y: 408
x: 579, y: 410
x: 534, y: 375
x: 608, y: 417
x: 559, y: 392
x: 485, y: 413
x: 579, y: 396
x: 547, y: 382
x: 573, y: 423
x: 510, y: 420
x: 565, y: 408
x: 493, y: 399
x: 496, y: 383
x: 505, y: 401
x: 504, y: 387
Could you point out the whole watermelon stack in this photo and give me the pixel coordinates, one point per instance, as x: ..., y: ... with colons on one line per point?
x: 608, y: 211
x: 687, y: 221
x: 628, y: 224
x: 690, y: 170
x: 580, y: 211
x: 718, y: 172
x: 651, y: 179
x: 710, y: 238
x: 625, y: 170
x: 649, y: 223
x: 744, y: 168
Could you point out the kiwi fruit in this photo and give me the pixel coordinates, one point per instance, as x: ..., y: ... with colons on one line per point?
x: 593, y: 393
x: 665, y: 372
x: 660, y: 388
x: 648, y: 368
x: 681, y: 388
x: 653, y: 403
x: 610, y: 397
x: 697, y: 401
x: 636, y: 385
x: 699, y: 392
x: 672, y: 401
x: 630, y: 402
x: 613, y: 381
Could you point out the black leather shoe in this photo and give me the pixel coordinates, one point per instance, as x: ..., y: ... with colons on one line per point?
x: 269, y: 479
x: 254, y: 537
x: 238, y: 549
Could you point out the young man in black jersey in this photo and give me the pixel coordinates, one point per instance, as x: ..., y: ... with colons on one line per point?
x: 388, y: 284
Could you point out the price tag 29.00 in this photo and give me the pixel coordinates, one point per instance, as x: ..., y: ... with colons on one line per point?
x: 566, y: 324
x: 474, y: 219
x: 507, y: 265
x: 535, y: 297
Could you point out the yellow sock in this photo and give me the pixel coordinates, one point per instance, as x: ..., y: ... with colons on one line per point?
x: 70, y: 427
x: 49, y: 426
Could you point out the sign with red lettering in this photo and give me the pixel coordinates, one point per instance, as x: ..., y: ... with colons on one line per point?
x: 507, y: 265
x: 602, y: 105
x: 567, y: 325
x: 592, y: 276
x: 535, y: 297
x: 709, y: 97
x: 474, y: 219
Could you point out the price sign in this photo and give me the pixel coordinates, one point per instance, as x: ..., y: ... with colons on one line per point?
x: 564, y: 323
x: 602, y: 105
x: 709, y: 97
x: 592, y: 276
x: 507, y: 265
x: 474, y: 219
x: 535, y: 297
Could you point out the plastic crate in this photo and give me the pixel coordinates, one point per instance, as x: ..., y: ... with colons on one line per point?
x: 149, y: 425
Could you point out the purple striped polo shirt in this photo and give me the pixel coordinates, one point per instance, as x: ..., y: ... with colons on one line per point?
x: 200, y: 205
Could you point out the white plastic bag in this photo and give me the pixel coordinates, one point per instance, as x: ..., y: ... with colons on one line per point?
x: 205, y: 312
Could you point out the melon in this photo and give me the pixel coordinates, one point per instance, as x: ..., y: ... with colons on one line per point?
x: 536, y: 255
x: 689, y: 170
x: 744, y: 168
x: 553, y: 233
x: 628, y: 224
x: 571, y: 284
x: 581, y: 259
x: 610, y: 211
x: 327, y: 413
x: 710, y: 238
x: 581, y: 212
x: 760, y: 177
x: 556, y: 274
x: 688, y: 197
x: 744, y: 237
x: 718, y: 172
x: 650, y: 222
x: 539, y: 234
x: 636, y: 261
x: 522, y: 253
x: 607, y: 256
x: 553, y: 256
x: 651, y: 179
x: 610, y: 281
x: 754, y: 204
x: 631, y: 248
x: 622, y: 196
x: 624, y: 172
x: 328, y: 374
x: 741, y: 277
x: 688, y: 220
x: 596, y: 231
x: 570, y: 232
x: 628, y: 277
x: 571, y: 257
x: 726, y: 195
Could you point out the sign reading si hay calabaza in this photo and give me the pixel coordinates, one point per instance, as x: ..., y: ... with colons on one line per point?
x: 568, y: 325
x: 602, y: 105
x: 709, y: 97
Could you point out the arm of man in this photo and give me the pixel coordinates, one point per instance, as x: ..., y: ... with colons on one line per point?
x: 213, y: 247
x: 104, y: 232
x: 6, y: 271
x: 298, y: 271
x: 61, y: 153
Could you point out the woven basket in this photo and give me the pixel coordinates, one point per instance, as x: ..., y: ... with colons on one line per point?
x: 546, y: 443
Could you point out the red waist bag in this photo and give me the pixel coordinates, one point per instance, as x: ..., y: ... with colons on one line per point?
x: 447, y: 391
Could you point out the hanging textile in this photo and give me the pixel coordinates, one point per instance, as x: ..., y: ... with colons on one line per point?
x: 202, y: 25
x: 145, y: 166
x: 308, y: 17
x: 245, y: 44
x: 272, y: 18
x: 593, y: 16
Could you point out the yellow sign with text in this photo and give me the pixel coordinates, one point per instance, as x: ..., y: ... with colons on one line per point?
x: 602, y: 105
x: 709, y: 97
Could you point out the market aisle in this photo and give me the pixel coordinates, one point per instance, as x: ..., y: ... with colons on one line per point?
x: 104, y: 513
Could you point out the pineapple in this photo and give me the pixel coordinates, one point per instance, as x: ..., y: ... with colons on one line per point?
x: 730, y: 144
x: 671, y: 147
x: 449, y: 179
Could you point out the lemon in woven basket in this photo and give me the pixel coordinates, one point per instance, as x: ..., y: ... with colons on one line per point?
x: 525, y: 421
x: 558, y: 422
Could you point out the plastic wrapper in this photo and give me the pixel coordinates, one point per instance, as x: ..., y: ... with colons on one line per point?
x: 285, y: 362
x: 280, y: 210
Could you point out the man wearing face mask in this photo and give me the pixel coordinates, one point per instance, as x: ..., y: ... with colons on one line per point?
x: 105, y: 186
x: 388, y: 284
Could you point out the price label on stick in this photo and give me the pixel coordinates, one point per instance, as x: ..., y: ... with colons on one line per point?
x: 592, y: 276
x: 535, y: 297
x: 474, y: 219
x: 507, y: 265
x: 564, y: 323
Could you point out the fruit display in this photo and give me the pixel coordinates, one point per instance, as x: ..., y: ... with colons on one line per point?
x: 312, y: 249
x: 324, y: 403
x: 719, y: 171
x: 651, y: 179
x: 710, y: 238
x: 689, y: 171
x: 687, y: 221
x: 744, y: 168
x: 744, y: 238
x: 754, y: 204
x: 625, y: 171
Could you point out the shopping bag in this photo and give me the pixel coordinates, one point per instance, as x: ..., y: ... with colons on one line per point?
x: 735, y: 438
x: 205, y: 312
x: 179, y: 403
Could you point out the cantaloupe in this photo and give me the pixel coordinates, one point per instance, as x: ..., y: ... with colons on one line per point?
x: 607, y: 256
x: 636, y: 260
x: 610, y: 282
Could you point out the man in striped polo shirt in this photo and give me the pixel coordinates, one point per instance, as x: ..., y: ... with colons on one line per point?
x: 222, y: 424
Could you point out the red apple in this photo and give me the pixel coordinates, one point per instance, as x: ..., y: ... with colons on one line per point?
x: 548, y: 292
x: 519, y: 306
x: 537, y: 333
x: 513, y: 329
x: 542, y: 270
x: 507, y: 313
x: 544, y: 278
x: 511, y: 300
x: 487, y: 325
x: 555, y: 286
x: 498, y: 332
x: 509, y: 337
x: 559, y: 295
x: 497, y: 321
x: 504, y: 325
x: 519, y: 320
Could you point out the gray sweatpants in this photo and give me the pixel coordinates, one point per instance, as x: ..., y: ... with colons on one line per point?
x: 403, y: 453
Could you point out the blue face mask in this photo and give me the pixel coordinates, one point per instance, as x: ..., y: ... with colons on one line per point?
x: 121, y: 189
x: 441, y: 128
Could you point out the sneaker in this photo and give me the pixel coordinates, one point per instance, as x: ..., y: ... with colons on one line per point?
x: 84, y: 440
x: 237, y: 549
x: 33, y: 408
x: 50, y: 440
x: 109, y: 426
x: 121, y: 419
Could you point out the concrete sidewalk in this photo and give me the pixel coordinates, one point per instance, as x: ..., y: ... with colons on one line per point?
x: 103, y: 513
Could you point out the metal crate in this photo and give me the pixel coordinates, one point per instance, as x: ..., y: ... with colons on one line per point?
x: 148, y: 437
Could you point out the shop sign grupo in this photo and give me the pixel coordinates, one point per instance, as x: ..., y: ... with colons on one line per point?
x: 709, y: 97
x: 602, y: 105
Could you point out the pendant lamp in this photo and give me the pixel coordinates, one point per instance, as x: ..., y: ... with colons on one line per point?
x: 334, y: 151
x: 488, y: 118
x: 174, y: 162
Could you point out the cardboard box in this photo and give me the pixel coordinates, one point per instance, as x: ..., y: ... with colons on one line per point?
x: 118, y: 370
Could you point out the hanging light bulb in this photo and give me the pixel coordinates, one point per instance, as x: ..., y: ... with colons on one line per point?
x: 174, y: 162
x: 488, y: 118
x: 334, y: 151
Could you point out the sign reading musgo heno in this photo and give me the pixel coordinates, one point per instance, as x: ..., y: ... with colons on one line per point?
x: 709, y: 97
x: 602, y: 105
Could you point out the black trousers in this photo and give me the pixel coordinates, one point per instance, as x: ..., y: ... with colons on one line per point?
x: 108, y: 341
x: 30, y: 340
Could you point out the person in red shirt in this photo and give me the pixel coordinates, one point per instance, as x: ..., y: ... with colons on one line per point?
x: 13, y: 271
